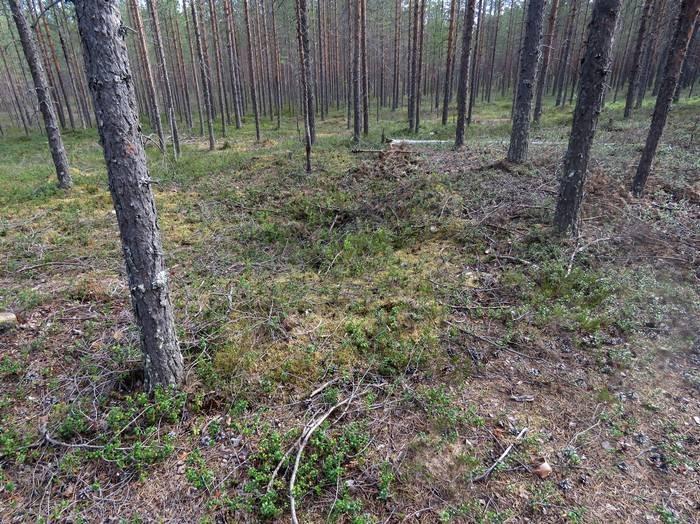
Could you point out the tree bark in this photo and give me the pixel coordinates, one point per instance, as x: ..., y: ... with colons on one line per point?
x: 356, y: 74
x: 463, y: 79
x: 162, y: 66
x: 41, y: 85
x: 251, y: 72
x: 529, y: 59
x: 689, y: 11
x: 363, y: 58
x: 547, y: 53
x: 304, y: 67
x: 637, y: 58
x: 107, y: 66
x: 595, y: 69
x: 397, y: 56
x: 150, y: 83
x: 204, y: 74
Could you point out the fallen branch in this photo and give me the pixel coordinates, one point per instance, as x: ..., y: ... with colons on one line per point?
x: 304, y: 441
x: 500, y: 459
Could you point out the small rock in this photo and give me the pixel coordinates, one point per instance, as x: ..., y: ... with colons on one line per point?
x: 607, y: 446
x: 7, y: 320
x: 566, y: 485
x: 543, y: 470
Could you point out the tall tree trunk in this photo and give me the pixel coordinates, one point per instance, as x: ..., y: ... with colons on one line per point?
x: 41, y: 85
x: 204, y: 74
x: 107, y: 65
x: 150, y: 84
x: 493, y: 51
x: 547, y: 53
x: 419, y: 74
x: 223, y: 98
x: 397, y: 55
x: 637, y: 58
x: 356, y: 73
x: 463, y: 79
x: 476, y: 70
x: 18, y: 103
x: 251, y: 71
x: 305, y: 69
x: 689, y: 11
x: 413, y: 72
x: 529, y: 58
x: 198, y: 91
x: 234, y: 69
x: 162, y: 66
x: 566, y: 53
x: 365, y: 75
x: 595, y: 70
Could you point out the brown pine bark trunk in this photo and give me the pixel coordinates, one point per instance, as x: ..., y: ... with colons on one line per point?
x: 689, y: 12
x: 251, y: 71
x: 41, y: 85
x: 165, y: 77
x: 547, y: 53
x: 595, y: 70
x: 637, y: 58
x: 204, y: 75
x: 107, y: 65
x: 464, y: 72
x: 413, y: 71
x: 566, y: 53
x: 529, y: 59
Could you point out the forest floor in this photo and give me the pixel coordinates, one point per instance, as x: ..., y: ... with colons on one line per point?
x: 415, y: 296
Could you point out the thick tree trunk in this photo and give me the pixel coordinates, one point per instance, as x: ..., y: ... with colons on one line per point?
x: 637, y: 58
x: 107, y: 65
x: 413, y: 71
x: 529, y: 59
x: 595, y: 70
x: 251, y: 72
x: 419, y: 74
x: 463, y: 79
x: 689, y: 11
x: 204, y: 75
x: 547, y: 53
x: 41, y: 85
x: 162, y: 66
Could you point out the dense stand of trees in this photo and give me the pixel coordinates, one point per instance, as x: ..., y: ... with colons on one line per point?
x: 207, y: 67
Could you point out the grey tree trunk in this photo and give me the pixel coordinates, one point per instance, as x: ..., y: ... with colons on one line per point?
x: 163, y: 68
x: 107, y: 65
x: 41, y: 85
x: 356, y: 74
x: 546, y: 55
x: 463, y: 79
x: 689, y: 11
x: 303, y: 46
x: 637, y: 58
x: 448, y: 61
x: 529, y: 59
x: 595, y: 69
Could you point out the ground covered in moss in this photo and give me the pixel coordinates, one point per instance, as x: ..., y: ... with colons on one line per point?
x: 412, y: 301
